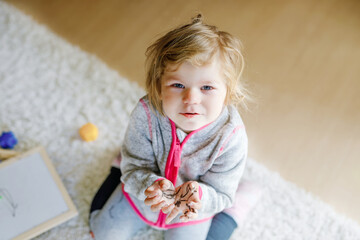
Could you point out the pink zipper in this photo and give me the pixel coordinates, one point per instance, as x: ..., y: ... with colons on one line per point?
x: 172, y: 167
x: 173, y: 163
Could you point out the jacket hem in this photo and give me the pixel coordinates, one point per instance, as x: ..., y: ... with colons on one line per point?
x: 160, y: 224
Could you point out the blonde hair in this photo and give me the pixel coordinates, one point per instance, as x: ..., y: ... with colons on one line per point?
x: 199, y: 44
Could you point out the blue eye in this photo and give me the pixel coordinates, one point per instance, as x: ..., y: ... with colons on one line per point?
x: 207, y: 88
x: 178, y: 85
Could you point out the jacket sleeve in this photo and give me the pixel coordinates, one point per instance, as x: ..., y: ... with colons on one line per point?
x: 220, y: 182
x: 138, y: 166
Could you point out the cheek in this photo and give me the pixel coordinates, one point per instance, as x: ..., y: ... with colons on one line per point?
x: 219, y: 98
x: 168, y: 100
x: 171, y: 95
x: 216, y: 103
x: 222, y: 96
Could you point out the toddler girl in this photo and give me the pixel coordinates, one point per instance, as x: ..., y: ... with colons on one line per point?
x: 185, y: 148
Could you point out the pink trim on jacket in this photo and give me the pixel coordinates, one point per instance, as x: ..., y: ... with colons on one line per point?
x: 228, y: 139
x: 147, y: 110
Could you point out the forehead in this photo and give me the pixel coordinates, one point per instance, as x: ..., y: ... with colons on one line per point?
x: 210, y: 72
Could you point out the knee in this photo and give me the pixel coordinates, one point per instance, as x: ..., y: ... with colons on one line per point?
x: 222, y: 227
x: 97, y: 228
x: 104, y: 228
x: 100, y: 233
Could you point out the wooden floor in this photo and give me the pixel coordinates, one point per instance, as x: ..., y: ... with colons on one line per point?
x: 303, y: 63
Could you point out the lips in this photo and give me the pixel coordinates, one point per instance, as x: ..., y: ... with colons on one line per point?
x: 189, y: 115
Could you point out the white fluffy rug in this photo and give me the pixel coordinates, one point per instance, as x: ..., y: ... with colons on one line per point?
x: 49, y: 88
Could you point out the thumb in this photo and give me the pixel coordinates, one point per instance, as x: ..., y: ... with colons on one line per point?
x: 166, y: 184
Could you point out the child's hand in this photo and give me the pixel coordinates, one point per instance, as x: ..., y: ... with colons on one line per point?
x: 187, y: 201
x: 160, y: 194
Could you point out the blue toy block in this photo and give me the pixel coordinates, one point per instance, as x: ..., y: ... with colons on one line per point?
x: 8, y: 140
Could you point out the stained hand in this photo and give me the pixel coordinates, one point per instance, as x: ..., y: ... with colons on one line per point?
x: 187, y: 201
x: 160, y: 194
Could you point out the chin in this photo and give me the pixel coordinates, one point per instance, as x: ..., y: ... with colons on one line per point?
x: 191, y: 128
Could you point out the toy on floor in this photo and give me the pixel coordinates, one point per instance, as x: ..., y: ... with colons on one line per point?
x: 5, y: 154
x: 8, y: 140
x: 89, y: 132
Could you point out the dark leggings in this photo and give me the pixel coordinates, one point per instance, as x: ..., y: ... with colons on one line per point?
x: 222, y: 225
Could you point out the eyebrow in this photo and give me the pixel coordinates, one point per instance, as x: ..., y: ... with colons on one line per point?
x: 209, y: 82
x: 174, y: 77
x: 168, y: 77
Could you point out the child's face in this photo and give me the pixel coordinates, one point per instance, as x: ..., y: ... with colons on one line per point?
x: 193, y: 96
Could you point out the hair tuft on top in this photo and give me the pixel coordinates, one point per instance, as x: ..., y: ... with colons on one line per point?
x: 197, y: 19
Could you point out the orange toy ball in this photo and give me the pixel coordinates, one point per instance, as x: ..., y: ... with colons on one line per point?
x: 89, y: 132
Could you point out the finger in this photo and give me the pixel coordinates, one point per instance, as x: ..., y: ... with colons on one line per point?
x: 190, y: 212
x: 169, y: 196
x: 152, y: 200
x: 168, y: 208
x: 192, y: 215
x: 184, y: 218
x: 150, y: 190
x: 164, y: 184
x: 158, y: 206
x: 194, y: 185
x: 188, y: 216
x: 195, y: 205
x: 151, y: 194
x: 172, y: 215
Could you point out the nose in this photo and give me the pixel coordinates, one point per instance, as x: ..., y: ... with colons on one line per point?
x: 191, y: 96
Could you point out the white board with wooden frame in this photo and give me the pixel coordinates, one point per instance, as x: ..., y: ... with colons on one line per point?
x: 32, y: 197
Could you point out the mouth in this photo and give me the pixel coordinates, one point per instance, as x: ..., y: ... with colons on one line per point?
x: 189, y: 115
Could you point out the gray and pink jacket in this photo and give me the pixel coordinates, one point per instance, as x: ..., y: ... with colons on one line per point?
x: 154, y: 148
